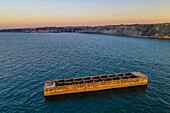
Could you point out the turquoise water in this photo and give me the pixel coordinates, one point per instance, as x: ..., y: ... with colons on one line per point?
x: 27, y: 60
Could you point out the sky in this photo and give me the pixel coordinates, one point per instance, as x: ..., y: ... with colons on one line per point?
x: 39, y: 13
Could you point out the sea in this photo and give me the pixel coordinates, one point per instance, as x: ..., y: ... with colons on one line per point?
x: 27, y: 60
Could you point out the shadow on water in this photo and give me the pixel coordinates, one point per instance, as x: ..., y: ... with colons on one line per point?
x: 97, y: 94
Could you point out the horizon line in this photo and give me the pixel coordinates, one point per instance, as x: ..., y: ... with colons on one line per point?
x: 88, y: 25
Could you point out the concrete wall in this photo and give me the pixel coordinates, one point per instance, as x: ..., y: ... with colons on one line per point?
x: 76, y: 88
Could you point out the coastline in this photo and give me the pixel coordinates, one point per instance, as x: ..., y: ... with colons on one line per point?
x: 157, y: 31
x: 149, y: 37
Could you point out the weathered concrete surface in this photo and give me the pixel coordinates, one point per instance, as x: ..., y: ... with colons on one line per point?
x: 95, y: 86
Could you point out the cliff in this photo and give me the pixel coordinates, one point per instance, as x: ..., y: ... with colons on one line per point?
x: 138, y: 30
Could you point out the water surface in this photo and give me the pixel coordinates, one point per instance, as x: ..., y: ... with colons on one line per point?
x: 29, y: 59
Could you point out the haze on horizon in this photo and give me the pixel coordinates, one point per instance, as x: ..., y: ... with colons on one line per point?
x: 37, y: 13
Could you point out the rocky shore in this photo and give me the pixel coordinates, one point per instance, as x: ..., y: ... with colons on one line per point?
x: 137, y: 30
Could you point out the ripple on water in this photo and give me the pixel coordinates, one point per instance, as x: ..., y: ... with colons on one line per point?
x: 27, y: 60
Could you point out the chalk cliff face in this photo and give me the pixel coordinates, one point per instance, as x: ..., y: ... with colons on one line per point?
x: 137, y: 30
